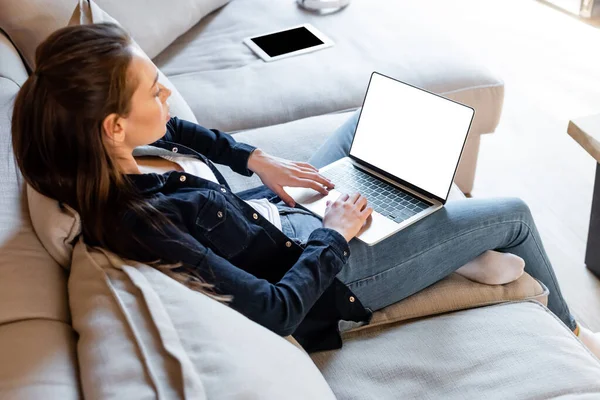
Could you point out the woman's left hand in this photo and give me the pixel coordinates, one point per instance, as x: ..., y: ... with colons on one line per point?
x: 277, y: 172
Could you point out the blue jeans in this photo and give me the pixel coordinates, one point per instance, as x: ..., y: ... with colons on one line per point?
x: 434, y: 247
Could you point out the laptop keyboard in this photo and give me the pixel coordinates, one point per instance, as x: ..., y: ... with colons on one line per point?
x: 383, y: 197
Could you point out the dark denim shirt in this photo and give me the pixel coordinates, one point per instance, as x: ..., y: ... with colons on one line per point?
x: 285, y: 286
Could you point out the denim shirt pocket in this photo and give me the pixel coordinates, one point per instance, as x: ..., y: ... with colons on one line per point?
x: 222, y: 226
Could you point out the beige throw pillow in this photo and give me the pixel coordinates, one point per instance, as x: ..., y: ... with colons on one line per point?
x: 154, y: 24
x: 57, y: 227
x: 144, y: 335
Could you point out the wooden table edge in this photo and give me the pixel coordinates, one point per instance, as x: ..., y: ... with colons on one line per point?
x: 589, y: 144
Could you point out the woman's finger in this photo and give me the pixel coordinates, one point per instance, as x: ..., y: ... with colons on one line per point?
x: 366, y: 212
x: 361, y: 203
x: 318, y: 178
x: 307, y: 165
x: 343, y: 197
x: 312, y: 171
x: 308, y: 183
x: 302, y: 168
x: 354, y: 197
x: 285, y: 197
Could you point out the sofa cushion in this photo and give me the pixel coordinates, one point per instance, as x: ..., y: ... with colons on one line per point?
x: 167, y: 341
x: 215, y: 71
x: 508, y: 351
x: 29, y: 22
x: 37, y: 344
x: 32, y: 285
x: 88, y: 12
x: 38, y: 361
x: 453, y: 293
x: 57, y: 226
x: 154, y: 24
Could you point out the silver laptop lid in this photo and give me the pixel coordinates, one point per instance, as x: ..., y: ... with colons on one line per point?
x: 411, y: 135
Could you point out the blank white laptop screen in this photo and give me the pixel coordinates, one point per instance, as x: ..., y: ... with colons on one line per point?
x: 411, y: 134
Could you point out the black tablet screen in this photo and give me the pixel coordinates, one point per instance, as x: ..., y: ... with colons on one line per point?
x: 276, y: 44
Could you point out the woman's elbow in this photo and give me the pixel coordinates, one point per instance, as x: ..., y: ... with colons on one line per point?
x: 283, y: 331
x: 281, y: 328
x: 287, y: 331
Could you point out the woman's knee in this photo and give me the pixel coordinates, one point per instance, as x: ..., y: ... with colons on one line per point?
x: 517, y: 207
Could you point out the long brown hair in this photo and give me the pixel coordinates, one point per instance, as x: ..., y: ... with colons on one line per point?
x: 81, y: 77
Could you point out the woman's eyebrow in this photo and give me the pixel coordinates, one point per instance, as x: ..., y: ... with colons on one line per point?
x: 155, y: 80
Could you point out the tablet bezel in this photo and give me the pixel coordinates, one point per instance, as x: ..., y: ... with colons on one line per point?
x: 259, y: 52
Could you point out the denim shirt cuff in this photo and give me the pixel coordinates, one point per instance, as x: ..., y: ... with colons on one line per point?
x: 335, y: 240
x: 241, y: 152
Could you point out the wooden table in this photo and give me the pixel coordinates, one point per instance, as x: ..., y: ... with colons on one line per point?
x: 586, y: 132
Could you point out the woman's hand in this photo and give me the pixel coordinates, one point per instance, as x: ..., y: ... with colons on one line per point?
x: 277, y: 172
x: 347, y: 214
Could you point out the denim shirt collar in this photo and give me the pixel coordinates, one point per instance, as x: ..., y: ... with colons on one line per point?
x: 151, y: 183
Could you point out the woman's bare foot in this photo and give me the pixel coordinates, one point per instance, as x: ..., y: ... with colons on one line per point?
x: 590, y: 339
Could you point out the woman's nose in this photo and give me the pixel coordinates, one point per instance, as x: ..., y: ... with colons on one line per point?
x: 167, y: 94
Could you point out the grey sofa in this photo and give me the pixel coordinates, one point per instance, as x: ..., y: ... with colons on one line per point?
x: 515, y: 350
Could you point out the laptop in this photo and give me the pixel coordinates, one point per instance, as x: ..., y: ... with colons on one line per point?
x: 403, y: 158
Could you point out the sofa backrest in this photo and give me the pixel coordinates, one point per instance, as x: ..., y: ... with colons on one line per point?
x: 35, y: 331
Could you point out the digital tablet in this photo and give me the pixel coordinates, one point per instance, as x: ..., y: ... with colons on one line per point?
x: 290, y: 42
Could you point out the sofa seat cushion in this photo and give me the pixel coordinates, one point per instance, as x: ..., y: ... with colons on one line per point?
x: 508, y: 351
x: 215, y: 71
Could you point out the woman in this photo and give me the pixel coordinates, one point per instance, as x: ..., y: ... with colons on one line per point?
x: 94, y: 99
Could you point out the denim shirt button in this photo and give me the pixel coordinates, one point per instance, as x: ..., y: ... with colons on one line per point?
x: 182, y: 178
x: 255, y: 216
x: 220, y: 214
x: 352, y: 299
x: 223, y: 190
x: 288, y: 244
x: 345, y: 253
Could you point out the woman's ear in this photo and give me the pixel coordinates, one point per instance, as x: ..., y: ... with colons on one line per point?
x: 113, y: 127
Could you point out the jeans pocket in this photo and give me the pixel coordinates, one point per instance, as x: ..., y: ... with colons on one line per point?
x: 286, y: 226
x: 284, y: 210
